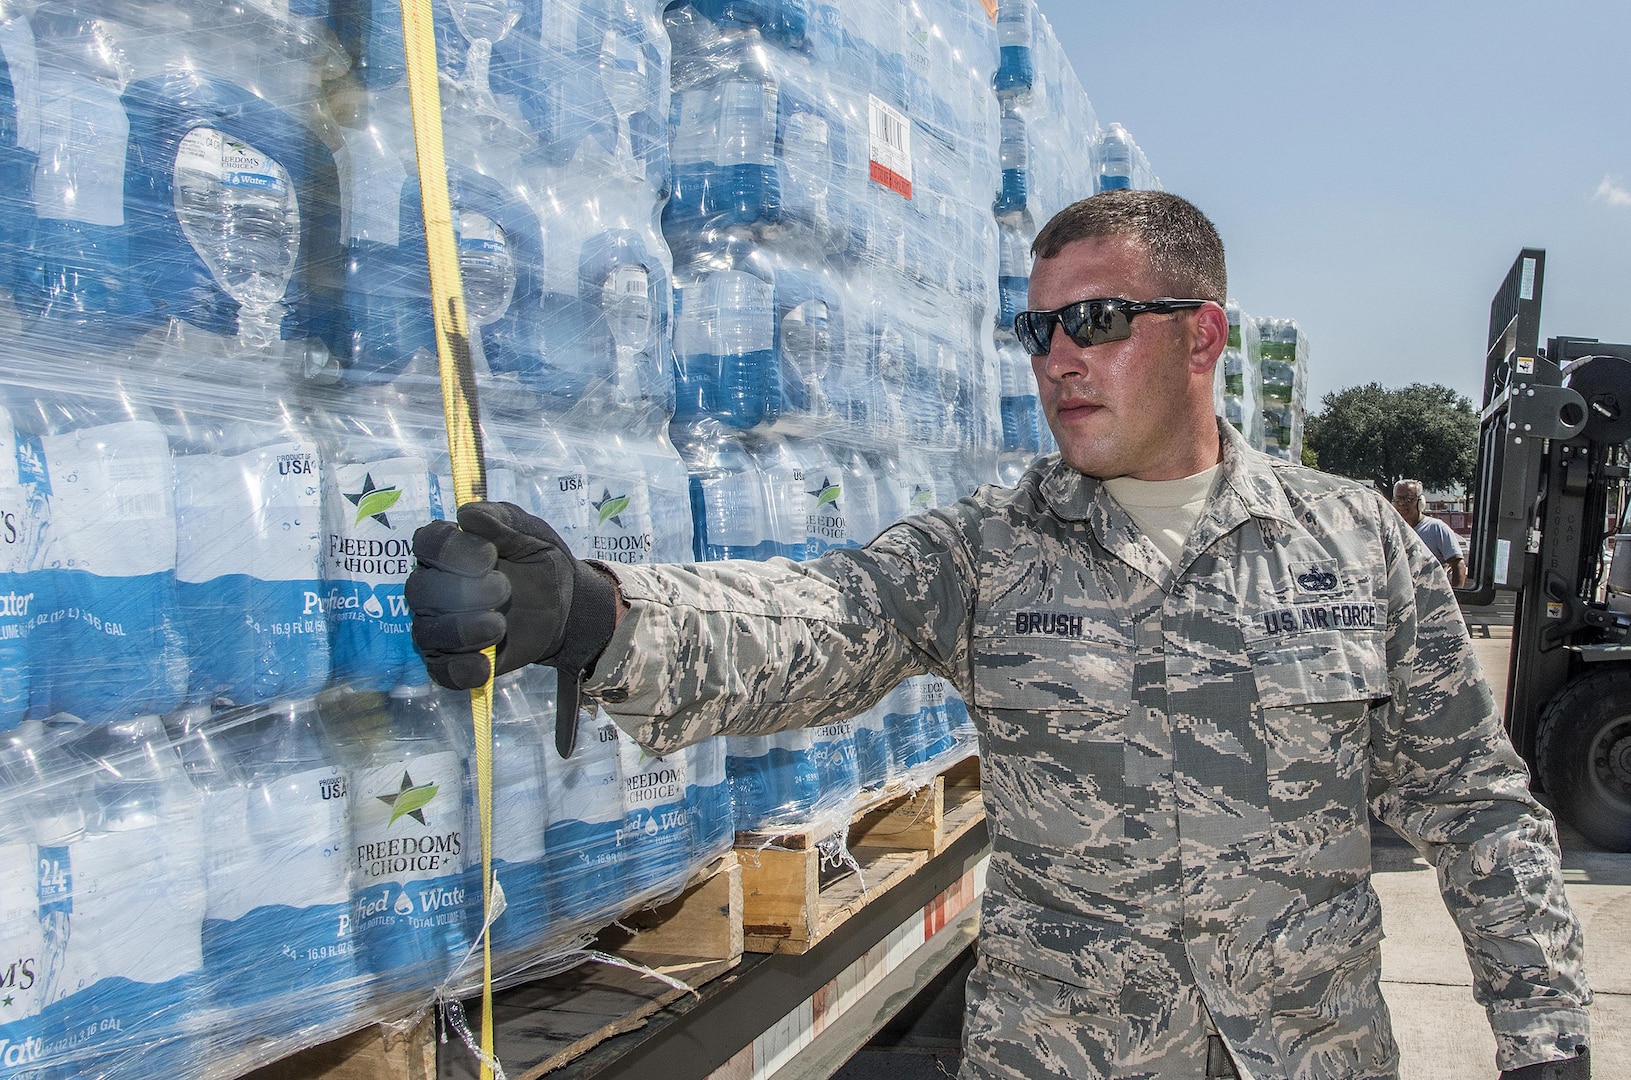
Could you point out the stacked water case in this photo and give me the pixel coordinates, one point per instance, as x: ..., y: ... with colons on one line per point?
x: 238, y: 820
x: 1050, y: 158
x: 835, y: 266
x: 1238, y: 386
x: 1284, y: 349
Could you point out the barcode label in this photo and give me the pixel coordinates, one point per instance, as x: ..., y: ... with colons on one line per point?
x: 891, y: 132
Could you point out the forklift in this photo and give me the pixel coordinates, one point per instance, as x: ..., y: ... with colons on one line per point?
x: 1554, y: 446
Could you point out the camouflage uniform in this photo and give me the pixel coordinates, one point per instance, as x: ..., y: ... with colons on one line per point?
x: 1177, y: 763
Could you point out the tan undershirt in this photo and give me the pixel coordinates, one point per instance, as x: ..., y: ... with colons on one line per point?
x: 1166, y: 510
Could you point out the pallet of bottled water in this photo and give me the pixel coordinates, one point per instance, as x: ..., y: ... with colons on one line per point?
x: 732, y: 272
x: 1284, y: 374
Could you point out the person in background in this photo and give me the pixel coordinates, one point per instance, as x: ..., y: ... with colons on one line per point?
x: 1409, y: 501
x: 1197, y: 671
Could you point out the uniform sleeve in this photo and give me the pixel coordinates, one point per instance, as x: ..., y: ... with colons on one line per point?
x: 747, y: 648
x: 1446, y: 777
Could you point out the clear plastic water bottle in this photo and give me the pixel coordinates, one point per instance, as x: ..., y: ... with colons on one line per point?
x: 236, y: 204
x: 122, y: 901
x: 1021, y: 409
x: 724, y: 146
x: 520, y: 798
x: 1015, y: 69
x: 583, y: 853
x: 409, y: 814
x: 658, y: 838
x: 280, y: 888
x: 933, y: 726
x: 775, y: 779
x: 627, y: 283
x: 725, y: 336
x: 249, y: 558
x: 859, y: 502
x: 933, y: 388
x: 1116, y: 159
x: 1014, y: 201
x: 813, y: 155
x: 669, y: 487
x: 105, y: 642
x: 810, y: 341
x: 903, y: 725
x: 551, y: 484
x: 19, y: 140
x: 836, y: 764
x: 709, y: 797
x: 728, y: 507
x: 786, y: 498
x: 630, y: 71
x: 79, y: 260
x: 826, y: 524
x: 1014, y: 280
x: 385, y: 267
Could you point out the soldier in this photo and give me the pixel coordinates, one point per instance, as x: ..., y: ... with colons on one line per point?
x: 1195, y: 670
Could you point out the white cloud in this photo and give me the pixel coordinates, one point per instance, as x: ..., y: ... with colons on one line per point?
x: 1612, y: 193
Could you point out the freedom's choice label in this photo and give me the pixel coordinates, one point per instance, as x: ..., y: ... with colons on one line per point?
x: 370, y: 512
x: 409, y: 858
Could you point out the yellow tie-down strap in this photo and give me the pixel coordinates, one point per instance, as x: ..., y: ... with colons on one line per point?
x: 458, y: 409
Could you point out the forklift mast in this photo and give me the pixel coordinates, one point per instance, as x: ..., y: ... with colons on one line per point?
x: 1550, y: 489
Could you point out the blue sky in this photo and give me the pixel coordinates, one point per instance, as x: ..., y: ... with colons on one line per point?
x: 1375, y: 167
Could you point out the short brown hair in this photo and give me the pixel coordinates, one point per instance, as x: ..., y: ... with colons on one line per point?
x: 1183, y: 246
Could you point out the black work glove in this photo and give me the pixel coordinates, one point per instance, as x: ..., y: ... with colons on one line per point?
x: 505, y: 578
x: 1575, y: 1068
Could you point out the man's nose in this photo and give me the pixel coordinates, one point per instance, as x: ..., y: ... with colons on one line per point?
x: 1065, y: 358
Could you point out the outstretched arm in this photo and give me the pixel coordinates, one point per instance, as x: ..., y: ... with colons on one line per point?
x: 747, y: 648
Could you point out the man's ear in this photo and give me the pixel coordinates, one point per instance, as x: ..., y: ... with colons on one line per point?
x: 1209, y: 334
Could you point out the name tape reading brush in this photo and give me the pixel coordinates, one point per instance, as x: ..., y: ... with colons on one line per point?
x: 459, y: 413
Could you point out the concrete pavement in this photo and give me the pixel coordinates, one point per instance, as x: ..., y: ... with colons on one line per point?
x: 1442, y: 1032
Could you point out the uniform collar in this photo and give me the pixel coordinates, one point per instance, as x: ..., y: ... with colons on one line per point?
x: 1247, y: 489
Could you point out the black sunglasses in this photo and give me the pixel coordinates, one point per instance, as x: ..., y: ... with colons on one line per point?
x: 1091, y: 322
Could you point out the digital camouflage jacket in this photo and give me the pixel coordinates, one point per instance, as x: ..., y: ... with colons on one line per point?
x: 1178, y: 761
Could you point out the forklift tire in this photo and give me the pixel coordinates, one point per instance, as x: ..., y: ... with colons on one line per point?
x: 1583, y: 756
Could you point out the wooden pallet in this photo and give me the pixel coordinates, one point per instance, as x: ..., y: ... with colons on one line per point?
x: 544, y: 1025
x: 796, y: 887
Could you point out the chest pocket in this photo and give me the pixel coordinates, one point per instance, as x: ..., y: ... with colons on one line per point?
x: 1316, y: 690
x: 1055, y: 711
x: 1046, y: 673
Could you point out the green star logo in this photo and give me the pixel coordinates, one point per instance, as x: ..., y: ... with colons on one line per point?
x: 372, y: 501
x: 610, y: 506
x: 6, y: 1001
x: 921, y: 497
x: 410, y: 800
x: 826, y: 493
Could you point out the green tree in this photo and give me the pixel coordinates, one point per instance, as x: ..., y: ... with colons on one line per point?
x: 1422, y: 431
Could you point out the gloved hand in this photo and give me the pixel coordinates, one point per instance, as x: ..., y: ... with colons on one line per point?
x: 1575, y: 1068
x: 505, y: 578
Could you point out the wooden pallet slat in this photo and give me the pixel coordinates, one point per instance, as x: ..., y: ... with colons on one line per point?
x: 795, y: 894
